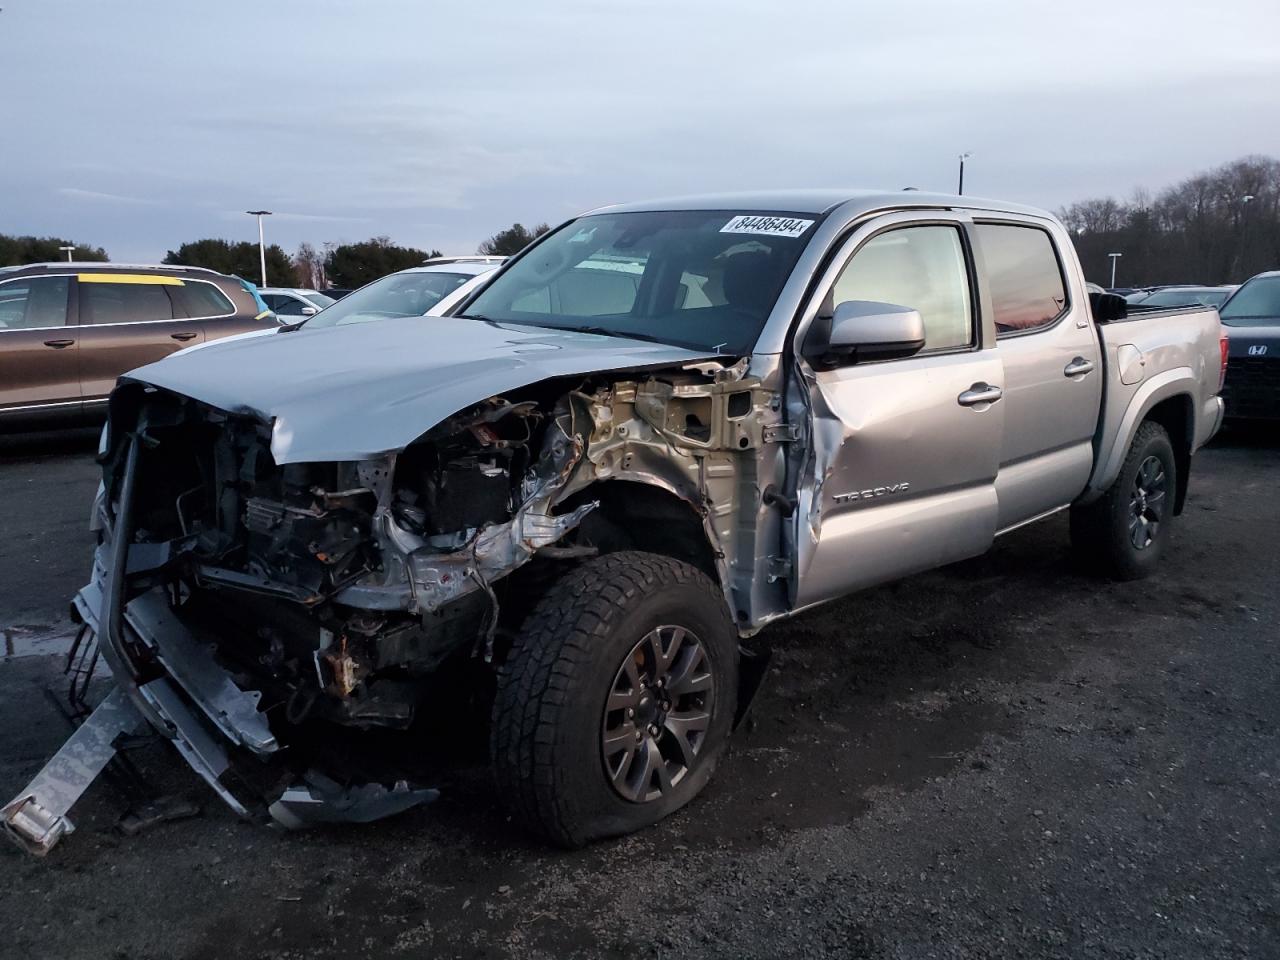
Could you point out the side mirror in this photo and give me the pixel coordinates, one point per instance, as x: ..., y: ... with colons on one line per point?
x: 865, y: 330
x: 309, y: 311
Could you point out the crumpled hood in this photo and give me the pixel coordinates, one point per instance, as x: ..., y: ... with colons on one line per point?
x: 356, y: 391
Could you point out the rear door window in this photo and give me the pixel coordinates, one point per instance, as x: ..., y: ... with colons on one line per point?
x: 197, y: 299
x: 1024, y: 277
x: 110, y: 303
x: 34, y: 302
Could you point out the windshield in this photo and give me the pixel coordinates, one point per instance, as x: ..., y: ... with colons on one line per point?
x: 1257, y: 303
x: 320, y: 300
x: 410, y: 293
x: 701, y: 279
x: 1191, y: 296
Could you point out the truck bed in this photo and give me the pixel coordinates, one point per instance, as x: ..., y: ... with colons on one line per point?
x: 1153, y: 356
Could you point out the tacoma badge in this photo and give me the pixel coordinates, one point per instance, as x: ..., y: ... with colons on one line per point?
x: 871, y: 493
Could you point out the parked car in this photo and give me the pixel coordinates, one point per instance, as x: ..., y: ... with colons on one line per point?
x: 406, y: 293
x: 1252, y: 316
x: 481, y: 259
x: 68, y: 330
x: 1178, y: 296
x: 585, y: 492
x: 290, y: 303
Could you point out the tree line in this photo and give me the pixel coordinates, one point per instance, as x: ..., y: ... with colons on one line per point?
x: 346, y: 265
x: 1220, y: 226
x: 19, y: 250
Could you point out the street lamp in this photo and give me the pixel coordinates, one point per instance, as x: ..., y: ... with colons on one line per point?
x: 1244, y: 233
x: 68, y: 251
x: 262, y: 249
x: 963, y: 158
x: 1114, y: 257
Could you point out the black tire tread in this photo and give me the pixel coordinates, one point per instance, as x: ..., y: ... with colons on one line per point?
x: 1093, y: 533
x: 539, y: 676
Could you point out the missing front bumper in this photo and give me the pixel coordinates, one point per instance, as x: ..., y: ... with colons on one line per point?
x: 213, y: 724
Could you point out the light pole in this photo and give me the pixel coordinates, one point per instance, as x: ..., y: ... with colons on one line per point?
x: 1114, y: 257
x: 262, y: 249
x: 68, y: 251
x: 1244, y: 233
x: 963, y: 158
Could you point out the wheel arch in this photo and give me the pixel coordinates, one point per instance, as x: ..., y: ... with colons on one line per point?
x: 649, y: 516
x: 1177, y: 415
x: 1167, y: 399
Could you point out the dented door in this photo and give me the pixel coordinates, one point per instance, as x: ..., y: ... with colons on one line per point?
x: 901, y: 472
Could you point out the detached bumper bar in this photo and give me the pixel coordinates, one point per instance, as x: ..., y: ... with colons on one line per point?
x: 36, y: 819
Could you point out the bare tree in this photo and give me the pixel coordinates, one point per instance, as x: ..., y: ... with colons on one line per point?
x: 308, y: 268
x: 1220, y: 226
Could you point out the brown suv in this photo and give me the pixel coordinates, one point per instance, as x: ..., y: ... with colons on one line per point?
x: 67, y: 330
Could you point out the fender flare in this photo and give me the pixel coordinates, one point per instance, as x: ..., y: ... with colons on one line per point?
x: 1180, y: 381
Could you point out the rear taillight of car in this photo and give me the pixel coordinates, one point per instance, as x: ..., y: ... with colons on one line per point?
x: 1224, y: 347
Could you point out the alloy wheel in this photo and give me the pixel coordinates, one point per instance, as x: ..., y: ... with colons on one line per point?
x: 657, y: 715
x: 1147, y: 503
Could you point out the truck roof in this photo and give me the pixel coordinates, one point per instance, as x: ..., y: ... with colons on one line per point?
x: 823, y: 201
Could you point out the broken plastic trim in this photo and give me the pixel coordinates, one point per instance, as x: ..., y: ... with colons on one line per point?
x: 320, y: 800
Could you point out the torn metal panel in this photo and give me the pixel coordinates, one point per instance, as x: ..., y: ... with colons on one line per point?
x: 707, y: 443
x: 37, y: 818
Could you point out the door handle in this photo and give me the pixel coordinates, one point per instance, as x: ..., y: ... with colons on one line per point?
x: 58, y: 344
x: 1078, y: 367
x: 183, y: 336
x: 979, y: 393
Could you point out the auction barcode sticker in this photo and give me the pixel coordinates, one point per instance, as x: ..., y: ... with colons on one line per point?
x: 768, y: 226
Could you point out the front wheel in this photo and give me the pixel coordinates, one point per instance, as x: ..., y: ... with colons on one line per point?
x: 617, y: 698
x: 1124, y: 533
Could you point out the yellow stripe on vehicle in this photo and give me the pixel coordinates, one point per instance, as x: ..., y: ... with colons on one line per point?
x: 129, y: 278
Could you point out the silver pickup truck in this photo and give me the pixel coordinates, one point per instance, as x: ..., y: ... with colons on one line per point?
x: 581, y: 496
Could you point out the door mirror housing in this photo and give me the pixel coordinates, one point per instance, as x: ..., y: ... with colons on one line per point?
x: 865, y: 330
x: 310, y: 311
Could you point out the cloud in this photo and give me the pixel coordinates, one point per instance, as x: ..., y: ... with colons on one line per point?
x: 300, y: 217
x: 75, y: 193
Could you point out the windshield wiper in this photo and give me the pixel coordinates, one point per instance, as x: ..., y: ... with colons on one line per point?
x: 604, y: 331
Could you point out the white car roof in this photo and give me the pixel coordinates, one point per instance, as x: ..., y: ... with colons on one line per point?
x: 468, y: 268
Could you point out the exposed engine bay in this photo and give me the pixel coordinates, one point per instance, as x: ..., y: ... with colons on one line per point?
x: 334, y: 589
x: 251, y: 610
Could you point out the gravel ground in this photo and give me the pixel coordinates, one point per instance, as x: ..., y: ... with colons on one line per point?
x: 1005, y: 758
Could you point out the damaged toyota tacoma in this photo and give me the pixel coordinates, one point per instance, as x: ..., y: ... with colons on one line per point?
x: 580, y: 496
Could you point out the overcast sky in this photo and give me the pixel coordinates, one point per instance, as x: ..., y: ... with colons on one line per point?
x: 138, y: 124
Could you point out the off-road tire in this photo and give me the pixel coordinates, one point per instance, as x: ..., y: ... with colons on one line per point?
x: 553, y: 687
x: 1100, y: 531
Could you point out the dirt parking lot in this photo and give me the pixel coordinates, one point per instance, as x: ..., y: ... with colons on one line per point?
x: 1005, y: 758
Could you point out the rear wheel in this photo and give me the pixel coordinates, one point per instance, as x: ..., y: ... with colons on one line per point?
x: 1124, y: 533
x: 617, y: 698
